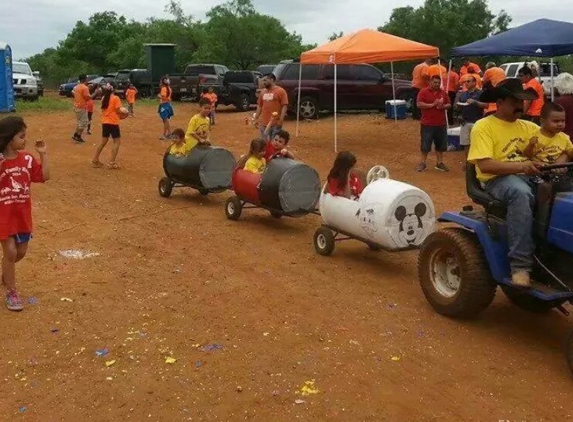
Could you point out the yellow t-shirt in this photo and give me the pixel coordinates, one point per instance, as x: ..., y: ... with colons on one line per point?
x: 255, y: 164
x: 548, y: 150
x: 200, y: 125
x: 499, y: 140
x: 178, y: 149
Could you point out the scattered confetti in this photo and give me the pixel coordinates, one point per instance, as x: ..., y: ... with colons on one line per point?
x: 239, y: 389
x: 66, y: 299
x: 77, y: 254
x: 23, y: 409
x: 307, y: 389
x: 54, y: 330
x: 299, y: 401
x: 32, y: 300
x: 353, y: 342
x: 395, y: 358
x: 199, y: 363
x: 211, y: 347
x: 110, y: 363
x: 102, y: 352
x: 265, y: 334
x: 170, y: 360
x: 109, y: 378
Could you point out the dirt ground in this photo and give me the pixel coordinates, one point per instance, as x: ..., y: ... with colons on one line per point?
x: 174, y: 276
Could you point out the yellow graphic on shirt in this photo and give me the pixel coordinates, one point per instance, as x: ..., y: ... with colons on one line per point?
x: 549, y: 149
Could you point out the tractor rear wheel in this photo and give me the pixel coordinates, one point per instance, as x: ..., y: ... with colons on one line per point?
x: 454, y: 274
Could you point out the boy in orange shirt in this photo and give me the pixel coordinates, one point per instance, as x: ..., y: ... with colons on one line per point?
x: 212, y: 97
x: 130, y: 94
x: 531, y: 109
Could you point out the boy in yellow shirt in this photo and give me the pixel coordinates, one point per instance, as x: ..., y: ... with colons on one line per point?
x: 550, y: 145
x: 199, y: 126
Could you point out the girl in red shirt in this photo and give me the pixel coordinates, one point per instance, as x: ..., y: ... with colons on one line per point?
x: 18, y: 170
x: 342, y: 181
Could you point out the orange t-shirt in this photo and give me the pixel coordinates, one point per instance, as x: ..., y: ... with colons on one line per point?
x: 90, y: 106
x: 130, y: 94
x: 494, y: 75
x: 536, y: 105
x: 81, y: 96
x: 436, y: 70
x: 165, y: 94
x: 271, y: 101
x: 465, y: 77
x: 109, y: 115
x: 418, y: 80
x: 211, y: 97
x: 453, y: 81
x: 464, y: 69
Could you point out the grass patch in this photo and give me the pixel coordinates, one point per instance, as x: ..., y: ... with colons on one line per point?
x: 44, y: 104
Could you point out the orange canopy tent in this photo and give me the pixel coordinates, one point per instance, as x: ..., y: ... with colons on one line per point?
x: 364, y: 46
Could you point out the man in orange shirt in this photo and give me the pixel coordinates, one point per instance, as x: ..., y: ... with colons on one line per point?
x: 492, y: 76
x: 470, y: 74
x: 531, y: 109
x: 418, y: 83
x: 452, y: 85
x: 81, y: 98
x: 436, y: 69
x: 466, y: 64
x: 273, y: 99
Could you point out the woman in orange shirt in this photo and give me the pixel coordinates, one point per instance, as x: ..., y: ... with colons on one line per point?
x: 110, y: 110
x: 165, y: 109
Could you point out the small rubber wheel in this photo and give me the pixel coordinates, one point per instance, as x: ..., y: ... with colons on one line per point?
x: 233, y: 208
x: 203, y: 191
x: 275, y: 214
x: 324, y: 241
x: 165, y: 187
x: 374, y: 247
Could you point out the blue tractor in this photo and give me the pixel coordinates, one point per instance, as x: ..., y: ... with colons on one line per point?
x: 461, y: 266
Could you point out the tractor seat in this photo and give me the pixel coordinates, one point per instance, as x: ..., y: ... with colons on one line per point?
x: 480, y: 197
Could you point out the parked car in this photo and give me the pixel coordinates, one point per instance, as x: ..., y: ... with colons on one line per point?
x: 265, y: 69
x: 359, y: 87
x: 121, y: 81
x: 66, y: 89
x: 186, y: 84
x: 39, y: 82
x: 141, y: 79
x: 25, y: 84
x: 238, y: 88
x: 543, y: 72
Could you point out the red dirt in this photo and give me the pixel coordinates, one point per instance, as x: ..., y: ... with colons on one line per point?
x: 177, y: 270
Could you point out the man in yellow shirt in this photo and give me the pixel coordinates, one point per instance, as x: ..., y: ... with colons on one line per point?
x: 496, y: 149
x: 199, y: 126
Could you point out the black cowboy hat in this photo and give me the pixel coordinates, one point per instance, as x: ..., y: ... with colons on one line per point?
x: 510, y: 87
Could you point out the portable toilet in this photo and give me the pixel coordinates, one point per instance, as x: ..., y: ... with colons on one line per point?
x: 6, y: 81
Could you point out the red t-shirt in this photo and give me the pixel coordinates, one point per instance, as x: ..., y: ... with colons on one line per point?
x: 16, y: 176
x: 356, y: 186
x: 433, y: 116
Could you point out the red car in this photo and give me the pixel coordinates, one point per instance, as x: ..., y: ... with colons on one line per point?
x: 359, y: 86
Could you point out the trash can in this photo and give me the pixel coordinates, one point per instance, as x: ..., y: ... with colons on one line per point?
x: 396, y: 109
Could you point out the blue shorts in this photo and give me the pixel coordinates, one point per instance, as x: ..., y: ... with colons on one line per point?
x: 165, y: 111
x: 22, y: 238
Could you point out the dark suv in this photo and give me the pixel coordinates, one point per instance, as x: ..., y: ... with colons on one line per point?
x: 359, y: 87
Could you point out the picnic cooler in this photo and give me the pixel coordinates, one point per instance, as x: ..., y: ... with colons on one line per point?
x: 400, y: 107
x: 454, y: 139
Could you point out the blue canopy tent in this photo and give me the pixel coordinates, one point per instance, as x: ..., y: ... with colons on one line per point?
x: 6, y: 82
x: 540, y: 38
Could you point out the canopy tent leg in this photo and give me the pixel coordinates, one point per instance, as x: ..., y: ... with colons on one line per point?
x: 393, y: 92
x: 298, y: 98
x: 447, y: 87
x: 552, y: 84
x: 335, y: 109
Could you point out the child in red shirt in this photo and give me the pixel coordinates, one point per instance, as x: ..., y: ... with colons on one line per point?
x: 18, y: 170
x: 277, y: 146
x: 341, y: 180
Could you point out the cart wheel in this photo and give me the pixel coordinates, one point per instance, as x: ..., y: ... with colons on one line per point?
x: 165, y: 187
x: 324, y: 241
x: 374, y: 247
x: 275, y: 214
x: 203, y: 191
x: 233, y: 208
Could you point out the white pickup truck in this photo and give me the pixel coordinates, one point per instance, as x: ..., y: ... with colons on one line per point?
x: 25, y: 83
x: 543, y: 72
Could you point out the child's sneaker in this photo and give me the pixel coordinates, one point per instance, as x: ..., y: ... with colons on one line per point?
x: 13, y: 301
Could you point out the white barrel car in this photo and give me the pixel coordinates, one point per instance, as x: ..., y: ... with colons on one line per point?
x: 388, y: 215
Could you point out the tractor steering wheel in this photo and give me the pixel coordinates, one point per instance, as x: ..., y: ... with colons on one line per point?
x: 377, y: 172
x: 549, y: 176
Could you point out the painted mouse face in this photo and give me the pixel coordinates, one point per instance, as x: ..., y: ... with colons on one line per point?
x: 411, y: 225
x: 367, y: 221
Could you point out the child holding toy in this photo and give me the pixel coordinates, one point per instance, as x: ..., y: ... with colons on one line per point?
x: 341, y: 180
x: 256, y: 162
x: 18, y: 170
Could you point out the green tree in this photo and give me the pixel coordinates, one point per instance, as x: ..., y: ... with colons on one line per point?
x: 446, y: 23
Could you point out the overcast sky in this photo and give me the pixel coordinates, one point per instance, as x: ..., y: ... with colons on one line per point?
x: 30, y: 26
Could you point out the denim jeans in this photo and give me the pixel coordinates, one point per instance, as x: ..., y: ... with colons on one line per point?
x: 274, y: 131
x: 518, y: 192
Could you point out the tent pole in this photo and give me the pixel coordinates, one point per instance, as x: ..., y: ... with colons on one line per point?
x: 393, y: 92
x: 335, y: 109
x: 552, y: 85
x: 298, y: 99
x: 448, y: 91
